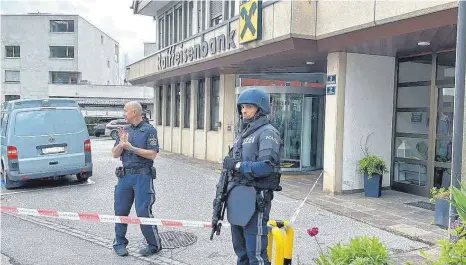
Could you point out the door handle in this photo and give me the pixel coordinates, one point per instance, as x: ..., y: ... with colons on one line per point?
x: 53, y: 163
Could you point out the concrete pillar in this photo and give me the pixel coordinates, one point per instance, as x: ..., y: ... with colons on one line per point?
x: 359, y: 107
x: 155, y: 110
x: 172, y: 115
x: 334, y: 121
x: 208, y: 88
x: 164, y: 111
x: 193, y: 116
x: 182, y: 111
x: 227, y: 112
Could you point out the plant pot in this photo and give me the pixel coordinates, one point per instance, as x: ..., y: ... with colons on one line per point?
x: 442, y: 208
x: 372, y: 186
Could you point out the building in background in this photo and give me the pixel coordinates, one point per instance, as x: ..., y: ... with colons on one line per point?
x: 338, y: 72
x: 41, y: 50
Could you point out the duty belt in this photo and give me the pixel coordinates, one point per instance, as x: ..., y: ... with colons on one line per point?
x: 135, y: 171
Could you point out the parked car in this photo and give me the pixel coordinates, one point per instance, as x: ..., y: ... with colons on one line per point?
x: 45, y: 138
x: 99, y: 129
x: 111, y: 129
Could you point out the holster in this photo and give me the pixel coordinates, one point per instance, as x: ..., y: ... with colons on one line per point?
x: 263, y: 197
x: 119, y: 172
x: 153, y: 172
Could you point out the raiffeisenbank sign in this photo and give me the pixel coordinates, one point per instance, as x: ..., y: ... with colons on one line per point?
x: 178, y: 55
x: 250, y: 29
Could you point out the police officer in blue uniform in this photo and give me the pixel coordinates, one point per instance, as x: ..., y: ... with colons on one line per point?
x: 137, y: 146
x: 256, y: 166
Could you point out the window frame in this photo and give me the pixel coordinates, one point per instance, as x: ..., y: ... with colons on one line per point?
x: 18, y: 47
x: 67, y: 51
x: 67, y: 25
x: 13, y: 81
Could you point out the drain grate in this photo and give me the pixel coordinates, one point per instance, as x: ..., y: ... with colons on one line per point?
x: 423, y: 205
x: 176, y: 239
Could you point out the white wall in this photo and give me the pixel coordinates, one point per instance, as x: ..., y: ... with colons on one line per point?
x: 93, y: 55
x: 32, y: 34
x: 368, y: 109
x: 142, y: 92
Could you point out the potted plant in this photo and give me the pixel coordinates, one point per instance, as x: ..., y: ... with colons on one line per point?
x: 373, y: 167
x: 441, y: 198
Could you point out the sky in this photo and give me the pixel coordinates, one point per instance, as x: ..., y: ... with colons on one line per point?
x: 113, y: 17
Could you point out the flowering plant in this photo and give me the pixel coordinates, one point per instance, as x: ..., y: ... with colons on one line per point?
x: 312, y: 232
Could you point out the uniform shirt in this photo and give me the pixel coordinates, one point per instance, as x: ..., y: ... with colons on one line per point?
x: 143, y: 136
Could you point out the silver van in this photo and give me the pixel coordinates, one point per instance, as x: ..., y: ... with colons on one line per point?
x: 45, y: 138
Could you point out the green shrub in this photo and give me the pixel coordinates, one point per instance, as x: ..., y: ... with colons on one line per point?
x: 372, y: 164
x: 359, y: 251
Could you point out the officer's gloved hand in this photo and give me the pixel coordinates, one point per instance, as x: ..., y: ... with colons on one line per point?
x: 229, y: 163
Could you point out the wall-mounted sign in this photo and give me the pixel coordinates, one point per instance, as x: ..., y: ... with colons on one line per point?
x: 331, y: 79
x: 250, y: 21
x: 331, y: 90
x: 331, y: 84
x: 178, y: 55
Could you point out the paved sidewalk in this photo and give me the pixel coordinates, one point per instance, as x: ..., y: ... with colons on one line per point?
x: 5, y: 260
x: 390, y: 212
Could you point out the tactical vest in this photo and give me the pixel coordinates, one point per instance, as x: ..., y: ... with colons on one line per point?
x: 247, y: 149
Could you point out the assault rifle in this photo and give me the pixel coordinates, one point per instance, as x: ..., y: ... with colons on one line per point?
x: 220, y: 201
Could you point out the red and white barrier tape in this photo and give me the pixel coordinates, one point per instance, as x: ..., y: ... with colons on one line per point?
x: 102, y: 218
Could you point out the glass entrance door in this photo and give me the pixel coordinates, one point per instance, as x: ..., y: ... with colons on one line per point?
x: 423, y: 123
x: 299, y: 120
x: 286, y: 116
x: 312, y: 136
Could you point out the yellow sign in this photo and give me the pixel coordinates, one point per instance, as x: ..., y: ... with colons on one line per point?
x: 250, y: 21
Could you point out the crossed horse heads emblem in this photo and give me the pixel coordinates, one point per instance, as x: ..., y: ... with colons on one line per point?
x: 247, y: 18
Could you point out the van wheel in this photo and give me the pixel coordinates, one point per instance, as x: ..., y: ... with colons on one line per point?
x: 97, y: 134
x: 9, y: 184
x: 114, y: 135
x: 82, y: 177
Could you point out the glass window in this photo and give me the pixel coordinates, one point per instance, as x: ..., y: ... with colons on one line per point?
x: 161, y: 33
x: 416, y: 122
x: 445, y: 123
x: 12, y: 76
x: 61, y: 52
x: 446, y: 98
x: 415, y: 69
x: 442, y: 177
x: 187, y: 106
x: 11, y: 97
x: 64, y: 77
x: 443, y: 150
x: 159, y: 114
x: 412, y: 148
x: 413, y: 97
x: 47, y: 122
x: 200, y: 104
x: 214, y: 103
x: 61, y: 25
x: 177, y: 105
x: 446, y: 66
x: 12, y: 51
x: 411, y: 174
x: 169, y: 106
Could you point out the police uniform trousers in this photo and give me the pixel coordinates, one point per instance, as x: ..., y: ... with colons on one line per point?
x: 250, y: 241
x: 141, y: 189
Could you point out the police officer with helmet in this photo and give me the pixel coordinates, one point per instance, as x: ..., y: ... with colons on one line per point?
x: 255, y: 162
x: 137, y: 146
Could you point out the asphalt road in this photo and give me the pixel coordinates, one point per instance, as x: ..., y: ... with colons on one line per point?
x: 183, y: 192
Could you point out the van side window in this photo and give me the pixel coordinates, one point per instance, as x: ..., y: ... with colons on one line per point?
x: 4, y: 123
